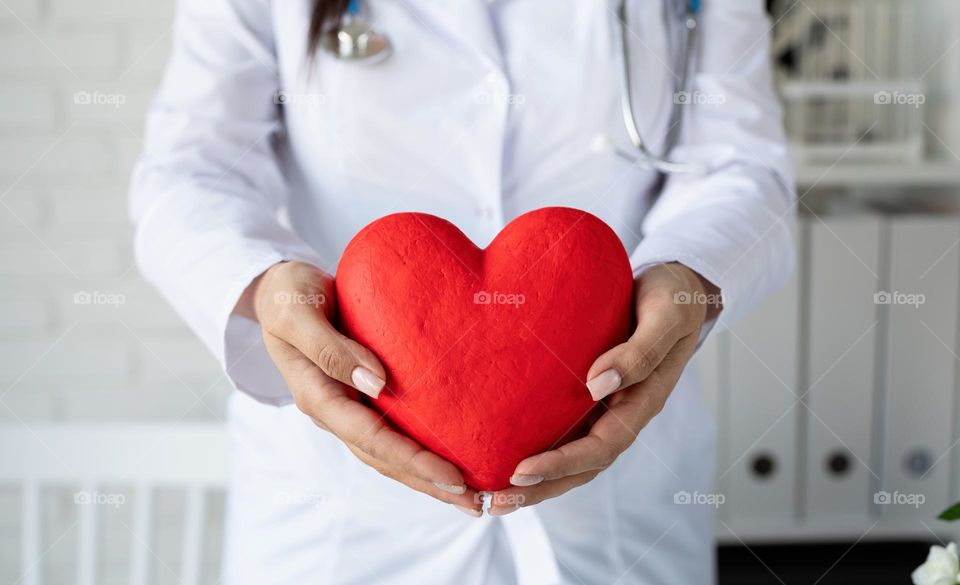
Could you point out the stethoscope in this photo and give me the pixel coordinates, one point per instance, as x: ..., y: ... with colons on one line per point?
x: 356, y: 40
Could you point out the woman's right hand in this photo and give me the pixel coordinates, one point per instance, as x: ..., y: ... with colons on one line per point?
x: 294, y: 303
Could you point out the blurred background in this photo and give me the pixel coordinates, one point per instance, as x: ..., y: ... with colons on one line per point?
x: 837, y: 402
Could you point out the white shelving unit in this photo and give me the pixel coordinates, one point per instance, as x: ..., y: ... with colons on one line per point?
x: 849, y: 401
x: 847, y: 71
x: 923, y: 174
x: 848, y: 81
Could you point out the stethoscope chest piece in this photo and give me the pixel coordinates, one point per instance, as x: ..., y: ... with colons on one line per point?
x: 355, y: 40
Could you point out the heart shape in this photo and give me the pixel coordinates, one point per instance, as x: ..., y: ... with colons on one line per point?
x: 486, y: 351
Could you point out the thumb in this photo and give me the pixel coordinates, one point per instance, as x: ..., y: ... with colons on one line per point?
x: 632, y: 361
x: 345, y: 360
x: 338, y: 356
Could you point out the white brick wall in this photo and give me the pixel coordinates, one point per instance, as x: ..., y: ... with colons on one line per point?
x: 82, y: 337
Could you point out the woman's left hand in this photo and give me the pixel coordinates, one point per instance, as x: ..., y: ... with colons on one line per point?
x: 635, y: 378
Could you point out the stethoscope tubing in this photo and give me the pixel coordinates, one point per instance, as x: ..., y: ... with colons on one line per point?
x: 643, y: 155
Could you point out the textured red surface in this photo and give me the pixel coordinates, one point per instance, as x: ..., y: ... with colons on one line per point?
x: 486, y: 351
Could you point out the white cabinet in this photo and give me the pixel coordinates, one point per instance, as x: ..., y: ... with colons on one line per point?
x: 921, y: 359
x: 710, y: 363
x: 837, y: 398
x: 757, y: 471
x: 844, y: 272
x: 711, y: 371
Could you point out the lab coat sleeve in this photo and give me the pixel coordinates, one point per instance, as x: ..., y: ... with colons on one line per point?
x: 207, y: 189
x: 733, y: 225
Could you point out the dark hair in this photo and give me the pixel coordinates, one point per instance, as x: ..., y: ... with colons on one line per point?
x: 326, y: 14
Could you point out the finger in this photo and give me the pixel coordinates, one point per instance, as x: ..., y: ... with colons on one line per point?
x: 469, y: 501
x: 331, y: 407
x: 631, y: 362
x: 514, y: 498
x: 327, y: 401
x: 341, y: 358
x: 626, y: 414
x: 360, y: 427
x: 585, y: 454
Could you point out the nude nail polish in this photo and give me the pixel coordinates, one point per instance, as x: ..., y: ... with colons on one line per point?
x: 451, y: 489
x: 524, y: 480
x: 604, y: 384
x: 469, y: 511
x: 366, y: 381
x: 503, y: 511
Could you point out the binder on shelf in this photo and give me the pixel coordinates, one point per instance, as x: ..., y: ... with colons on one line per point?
x: 710, y: 371
x: 709, y: 362
x: 921, y: 358
x: 757, y: 469
x: 841, y: 370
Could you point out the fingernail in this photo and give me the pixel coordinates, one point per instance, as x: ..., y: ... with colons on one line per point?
x: 469, y: 511
x: 604, y: 384
x: 451, y: 489
x: 523, y: 480
x: 366, y: 381
x: 503, y: 511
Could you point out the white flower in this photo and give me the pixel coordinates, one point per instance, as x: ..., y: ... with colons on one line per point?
x: 941, y: 567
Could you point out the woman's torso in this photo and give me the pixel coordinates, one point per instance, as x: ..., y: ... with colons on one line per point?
x: 485, y: 110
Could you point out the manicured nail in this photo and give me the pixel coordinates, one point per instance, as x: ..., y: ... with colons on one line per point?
x: 469, y: 511
x: 604, y: 384
x: 523, y: 480
x: 451, y: 489
x: 503, y: 511
x: 366, y: 381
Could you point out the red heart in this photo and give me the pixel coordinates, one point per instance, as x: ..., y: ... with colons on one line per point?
x: 486, y: 351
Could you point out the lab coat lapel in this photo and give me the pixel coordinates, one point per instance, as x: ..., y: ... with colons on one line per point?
x: 462, y: 25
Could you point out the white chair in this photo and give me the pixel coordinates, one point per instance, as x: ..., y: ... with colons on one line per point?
x: 192, y: 457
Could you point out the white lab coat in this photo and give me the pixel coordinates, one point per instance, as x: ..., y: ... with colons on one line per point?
x: 485, y: 110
